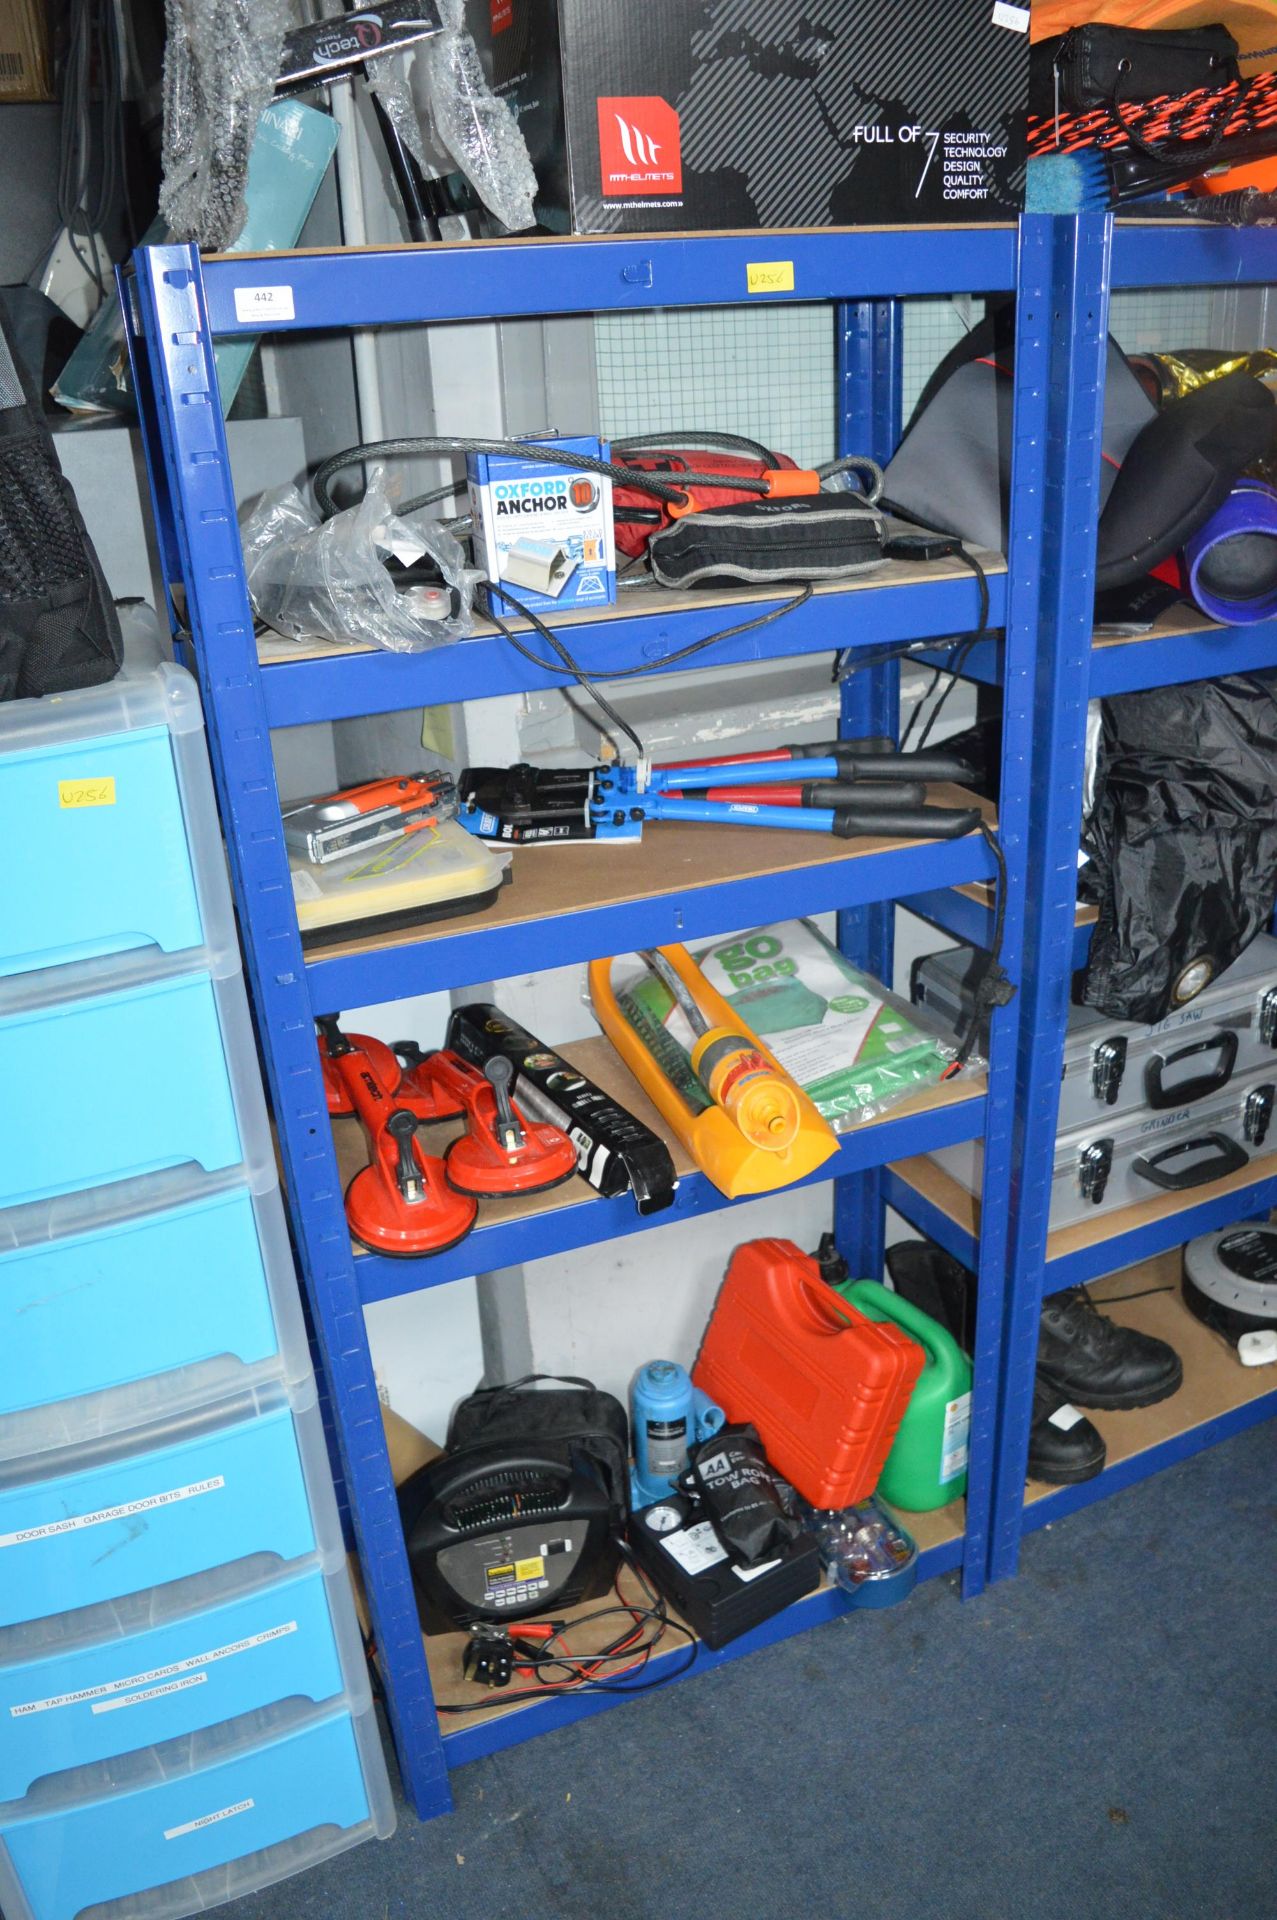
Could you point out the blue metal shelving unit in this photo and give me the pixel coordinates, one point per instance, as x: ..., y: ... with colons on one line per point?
x: 176, y: 305
x: 1094, y: 255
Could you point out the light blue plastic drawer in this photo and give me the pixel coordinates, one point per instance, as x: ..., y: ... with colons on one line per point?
x: 97, y: 1291
x: 63, y: 1710
x: 118, y: 1847
x: 111, y: 1085
x: 138, y: 1519
x: 95, y: 850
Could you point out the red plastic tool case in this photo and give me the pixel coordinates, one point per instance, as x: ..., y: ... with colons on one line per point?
x: 825, y: 1387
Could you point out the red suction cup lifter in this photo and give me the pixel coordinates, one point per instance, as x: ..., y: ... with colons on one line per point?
x: 401, y: 1202
x: 501, y: 1153
x: 419, y: 1091
x: 381, y: 1063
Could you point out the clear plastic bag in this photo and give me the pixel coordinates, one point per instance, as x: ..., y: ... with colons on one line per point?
x: 478, y: 129
x: 388, y: 79
x: 327, y: 579
x: 220, y: 64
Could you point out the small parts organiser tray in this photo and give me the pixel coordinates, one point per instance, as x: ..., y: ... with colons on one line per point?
x: 125, y: 1066
x: 153, y: 1666
x: 1139, y: 1155
x: 171, y: 1272
x: 176, y: 1828
x: 1116, y: 1067
x: 135, y: 1509
x: 115, y: 841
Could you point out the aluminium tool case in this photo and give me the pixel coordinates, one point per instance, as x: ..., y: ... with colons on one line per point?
x: 1122, y: 1159
x: 1118, y: 1067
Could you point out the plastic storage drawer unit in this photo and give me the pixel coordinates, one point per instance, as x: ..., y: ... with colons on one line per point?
x: 1114, y: 1067
x: 156, y: 1504
x: 132, y: 1836
x: 102, y: 1288
x: 1139, y: 1155
x: 62, y: 1708
x: 113, y: 1070
x: 112, y: 839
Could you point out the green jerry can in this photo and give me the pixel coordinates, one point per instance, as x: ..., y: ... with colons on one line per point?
x: 927, y: 1465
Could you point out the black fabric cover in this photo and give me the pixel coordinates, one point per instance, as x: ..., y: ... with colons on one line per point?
x: 58, y: 628
x: 1179, y: 472
x: 1098, y: 65
x: 823, y: 536
x: 573, y: 1411
x: 1183, y: 839
x: 952, y: 470
x: 932, y: 1280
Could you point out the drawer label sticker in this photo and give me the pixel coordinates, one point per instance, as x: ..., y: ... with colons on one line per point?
x: 77, y: 1522
x: 151, y: 1681
x: 150, y: 1693
x: 99, y: 792
x: 208, y: 1819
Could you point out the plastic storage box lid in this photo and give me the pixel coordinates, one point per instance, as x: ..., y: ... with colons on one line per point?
x: 139, y: 1418
x: 150, y: 690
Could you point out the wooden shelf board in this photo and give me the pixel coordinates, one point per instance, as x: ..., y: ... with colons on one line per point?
x: 671, y: 858
x: 444, y: 1650
x: 1176, y: 622
x: 773, y: 237
x: 410, y: 1450
x: 981, y: 891
x: 599, y: 1062
x: 963, y: 1208
x: 1215, y: 1381
x: 654, y: 602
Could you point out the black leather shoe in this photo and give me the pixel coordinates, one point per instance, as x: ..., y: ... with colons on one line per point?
x: 1092, y: 1360
x: 1063, y: 1445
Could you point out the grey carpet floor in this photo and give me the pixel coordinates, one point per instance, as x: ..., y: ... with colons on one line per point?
x: 1094, y: 1740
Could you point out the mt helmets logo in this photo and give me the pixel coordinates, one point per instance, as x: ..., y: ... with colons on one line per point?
x: 640, y: 151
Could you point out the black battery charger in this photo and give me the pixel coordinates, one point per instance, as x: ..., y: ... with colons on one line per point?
x: 506, y: 1532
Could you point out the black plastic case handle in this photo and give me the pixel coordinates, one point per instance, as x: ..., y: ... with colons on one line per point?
x: 1184, y: 1092
x: 1229, y: 1158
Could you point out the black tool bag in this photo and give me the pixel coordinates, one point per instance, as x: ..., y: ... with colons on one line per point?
x: 822, y: 536
x: 58, y: 629
x: 1161, y: 475
x: 1183, y: 841
x: 1096, y: 65
x: 573, y: 1412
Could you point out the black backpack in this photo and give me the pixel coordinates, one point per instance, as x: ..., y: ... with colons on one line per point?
x: 58, y: 629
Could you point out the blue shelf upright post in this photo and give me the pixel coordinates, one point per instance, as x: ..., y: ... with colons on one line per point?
x: 182, y: 425
x: 869, y: 337
x: 1077, y: 299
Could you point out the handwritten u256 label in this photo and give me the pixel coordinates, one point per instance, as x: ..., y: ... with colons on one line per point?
x: 97, y: 792
x: 769, y: 276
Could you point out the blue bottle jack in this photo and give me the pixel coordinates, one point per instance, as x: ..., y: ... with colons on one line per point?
x: 667, y: 1416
